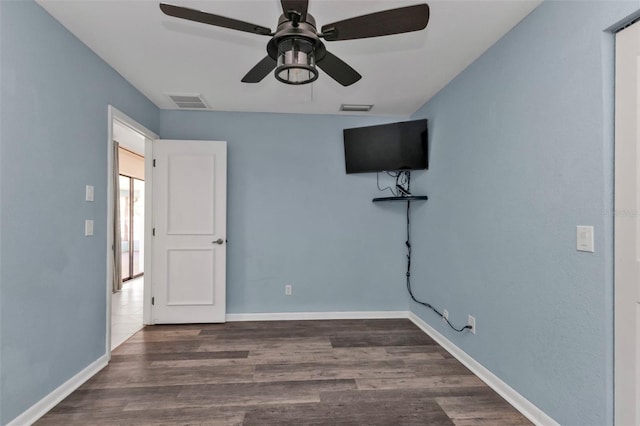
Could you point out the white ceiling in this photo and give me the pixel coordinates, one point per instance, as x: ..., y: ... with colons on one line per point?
x: 162, y: 55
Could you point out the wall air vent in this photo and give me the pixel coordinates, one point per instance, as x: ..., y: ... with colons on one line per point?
x: 188, y: 101
x: 355, y: 108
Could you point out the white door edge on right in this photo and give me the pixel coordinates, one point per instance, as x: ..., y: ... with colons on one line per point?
x: 627, y: 229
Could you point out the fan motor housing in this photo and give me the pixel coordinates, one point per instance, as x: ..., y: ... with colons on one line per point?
x: 305, y: 30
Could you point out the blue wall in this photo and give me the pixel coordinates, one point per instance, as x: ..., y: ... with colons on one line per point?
x: 295, y: 217
x: 522, y: 152
x: 53, y: 135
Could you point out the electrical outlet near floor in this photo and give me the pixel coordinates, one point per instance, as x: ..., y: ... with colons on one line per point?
x: 472, y: 322
x: 445, y: 315
x: 288, y: 290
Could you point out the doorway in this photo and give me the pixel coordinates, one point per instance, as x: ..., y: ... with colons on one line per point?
x: 131, y: 203
x: 126, y: 286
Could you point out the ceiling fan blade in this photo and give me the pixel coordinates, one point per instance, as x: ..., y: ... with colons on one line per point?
x: 299, y: 6
x: 211, y: 19
x: 260, y: 71
x: 338, y: 69
x: 394, y: 21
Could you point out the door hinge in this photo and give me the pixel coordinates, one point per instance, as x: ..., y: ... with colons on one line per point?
x: 154, y: 162
x: 153, y: 232
x: 153, y: 300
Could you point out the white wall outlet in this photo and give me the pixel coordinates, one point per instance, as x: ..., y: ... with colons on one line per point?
x: 88, y: 227
x: 88, y: 193
x: 445, y: 315
x: 584, y: 238
x: 472, y: 322
x: 288, y: 290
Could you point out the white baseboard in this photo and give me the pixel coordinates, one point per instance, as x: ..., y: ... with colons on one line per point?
x: 519, y: 402
x: 43, y: 406
x: 279, y: 316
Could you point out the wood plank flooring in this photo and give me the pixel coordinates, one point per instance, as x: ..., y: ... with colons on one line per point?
x: 337, y: 372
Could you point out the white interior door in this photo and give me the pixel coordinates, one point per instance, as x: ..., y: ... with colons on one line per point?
x: 189, y: 241
x: 627, y: 228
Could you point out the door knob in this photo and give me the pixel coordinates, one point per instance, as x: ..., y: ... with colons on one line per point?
x: 218, y: 241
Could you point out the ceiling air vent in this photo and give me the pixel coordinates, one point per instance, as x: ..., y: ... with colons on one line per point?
x: 355, y: 108
x: 188, y: 101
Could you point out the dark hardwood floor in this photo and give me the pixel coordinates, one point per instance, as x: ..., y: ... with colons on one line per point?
x: 339, y: 372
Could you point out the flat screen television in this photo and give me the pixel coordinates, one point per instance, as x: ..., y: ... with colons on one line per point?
x: 386, y: 147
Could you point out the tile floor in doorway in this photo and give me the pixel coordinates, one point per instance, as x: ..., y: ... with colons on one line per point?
x: 126, y: 311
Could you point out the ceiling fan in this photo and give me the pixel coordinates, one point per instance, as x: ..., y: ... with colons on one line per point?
x: 295, y: 47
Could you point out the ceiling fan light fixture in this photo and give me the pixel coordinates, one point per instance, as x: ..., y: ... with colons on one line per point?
x: 296, y: 61
x: 295, y: 46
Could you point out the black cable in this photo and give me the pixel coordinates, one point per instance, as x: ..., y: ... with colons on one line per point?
x: 384, y: 189
x: 408, y: 243
x: 403, y: 179
x: 403, y: 185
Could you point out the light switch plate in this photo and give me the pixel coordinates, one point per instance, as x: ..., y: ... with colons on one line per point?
x: 88, y: 227
x: 88, y: 193
x: 584, y: 238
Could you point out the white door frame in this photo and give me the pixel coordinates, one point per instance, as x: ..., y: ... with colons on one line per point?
x: 114, y: 114
x: 626, y: 234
